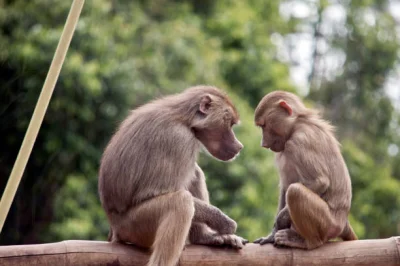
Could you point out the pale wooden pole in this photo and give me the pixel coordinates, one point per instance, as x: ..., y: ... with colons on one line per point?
x: 40, y: 110
x: 372, y: 252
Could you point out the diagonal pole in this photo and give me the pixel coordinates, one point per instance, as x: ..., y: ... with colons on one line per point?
x: 40, y: 110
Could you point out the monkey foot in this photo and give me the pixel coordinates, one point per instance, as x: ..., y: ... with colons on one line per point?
x: 230, y: 240
x: 219, y: 240
x: 226, y: 228
x: 289, y: 238
x: 234, y: 241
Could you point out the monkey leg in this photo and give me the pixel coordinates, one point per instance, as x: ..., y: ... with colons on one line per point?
x: 311, y: 218
x: 161, y: 223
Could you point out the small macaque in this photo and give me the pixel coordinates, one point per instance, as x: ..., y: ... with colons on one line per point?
x: 315, y: 186
x: 153, y: 192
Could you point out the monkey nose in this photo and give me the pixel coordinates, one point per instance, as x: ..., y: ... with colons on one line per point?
x: 240, y: 146
x: 265, y: 145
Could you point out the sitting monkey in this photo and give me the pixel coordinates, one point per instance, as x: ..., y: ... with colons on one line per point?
x: 315, y: 186
x: 152, y: 189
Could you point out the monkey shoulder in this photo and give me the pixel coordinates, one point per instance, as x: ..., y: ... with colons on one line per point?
x: 310, y: 139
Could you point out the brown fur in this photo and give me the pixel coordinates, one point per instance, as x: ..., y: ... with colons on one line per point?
x: 150, y: 186
x: 315, y: 185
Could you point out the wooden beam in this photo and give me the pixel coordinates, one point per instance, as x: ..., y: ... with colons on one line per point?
x: 74, y: 252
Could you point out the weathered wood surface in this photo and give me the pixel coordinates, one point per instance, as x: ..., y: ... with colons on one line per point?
x: 73, y: 252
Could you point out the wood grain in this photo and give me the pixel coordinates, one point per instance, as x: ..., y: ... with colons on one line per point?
x: 75, y: 252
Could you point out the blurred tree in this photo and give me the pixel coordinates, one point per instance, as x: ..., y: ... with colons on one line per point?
x: 106, y: 72
x: 86, y: 100
x: 249, y: 63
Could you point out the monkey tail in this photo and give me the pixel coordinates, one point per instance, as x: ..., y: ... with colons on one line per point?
x: 348, y: 233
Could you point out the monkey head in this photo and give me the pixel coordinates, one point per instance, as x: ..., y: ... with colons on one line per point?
x: 276, y: 115
x: 212, y: 126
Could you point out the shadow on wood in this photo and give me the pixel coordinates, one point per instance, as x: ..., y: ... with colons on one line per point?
x: 74, y: 252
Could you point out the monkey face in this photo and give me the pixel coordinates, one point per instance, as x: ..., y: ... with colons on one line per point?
x: 276, y: 128
x: 220, y: 142
x: 276, y: 117
x: 272, y: 140
x: 213, y: 127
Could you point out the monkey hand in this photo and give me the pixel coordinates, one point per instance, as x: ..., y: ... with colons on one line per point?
x: 266, y: 240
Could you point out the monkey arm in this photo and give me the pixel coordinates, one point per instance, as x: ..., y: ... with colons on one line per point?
x: 319, y: 185
x: 282, y: 199
x: 282, y: 214
x: 204, y: 212
x: 310, y: 164
x: 282, y: 220
x: 209, y: 223
x: 198, y: 186
x: 210, y: 226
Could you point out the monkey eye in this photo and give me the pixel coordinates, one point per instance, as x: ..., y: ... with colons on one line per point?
x: 234, y: 121
x: 274, y: 132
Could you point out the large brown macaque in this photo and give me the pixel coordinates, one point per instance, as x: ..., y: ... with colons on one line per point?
x: 315, y: 186
x: 150, y: 185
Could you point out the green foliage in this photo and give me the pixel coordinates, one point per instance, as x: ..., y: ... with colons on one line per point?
x: 249, y: 62
x: 125, y: 53
x: 79, y: 213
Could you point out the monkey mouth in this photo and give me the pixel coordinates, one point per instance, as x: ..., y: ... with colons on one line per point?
x: 234, y: 157
x: 227, y: 155
x: 272, y: 146
x: 277, y: 147
x: 223, y: 155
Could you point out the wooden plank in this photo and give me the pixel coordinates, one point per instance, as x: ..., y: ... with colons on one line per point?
x: 75, y: 252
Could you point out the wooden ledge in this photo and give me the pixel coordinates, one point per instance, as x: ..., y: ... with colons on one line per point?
x: 75, y: 252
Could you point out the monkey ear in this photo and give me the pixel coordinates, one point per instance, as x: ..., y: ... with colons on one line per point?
x: 286, y: 106
x: 205, y: 104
